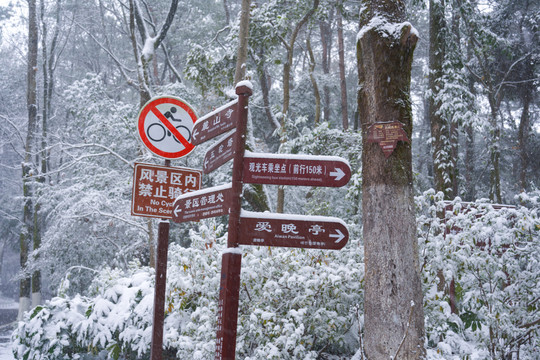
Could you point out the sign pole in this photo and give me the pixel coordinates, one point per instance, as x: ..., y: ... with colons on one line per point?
x: 156, y: 351
x: 229, y: 289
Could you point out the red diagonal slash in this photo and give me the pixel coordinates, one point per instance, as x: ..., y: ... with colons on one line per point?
x: 171, y: 128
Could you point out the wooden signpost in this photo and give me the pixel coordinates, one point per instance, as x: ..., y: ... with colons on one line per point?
x: 249, y: 228
x: 165, y: 127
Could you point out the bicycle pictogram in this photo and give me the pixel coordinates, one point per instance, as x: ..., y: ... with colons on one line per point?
x: 157, y: 132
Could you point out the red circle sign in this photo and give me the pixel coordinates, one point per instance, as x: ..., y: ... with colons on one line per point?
x: 165, y: 126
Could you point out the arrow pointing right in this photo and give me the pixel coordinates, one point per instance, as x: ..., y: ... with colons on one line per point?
x: 339, y: 236
x: 338, y: 174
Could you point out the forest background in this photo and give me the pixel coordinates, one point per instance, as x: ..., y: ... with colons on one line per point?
x: 474, y: 91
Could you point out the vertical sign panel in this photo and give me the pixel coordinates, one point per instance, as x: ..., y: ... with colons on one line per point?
x: 156, y: 187
x: 227, y: 319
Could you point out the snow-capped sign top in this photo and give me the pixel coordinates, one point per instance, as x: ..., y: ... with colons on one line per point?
x: 165, y: 126
x: 245, y: 83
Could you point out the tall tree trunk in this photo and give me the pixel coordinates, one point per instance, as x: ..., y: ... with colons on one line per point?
x: 289, y: 46
x: 524, y: 125
x: 241, y: 55
x: 254, y: 194
x: 27, y: 167
x: 314, y: 82
x: 394, y: 318
x: 495, y: 193
x: 342, y: 80
x: 470, y: 156
x: 326, y: 40
x: 440, y: 134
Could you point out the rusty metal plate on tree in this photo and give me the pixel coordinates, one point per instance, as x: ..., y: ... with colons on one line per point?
x: 387, y: 135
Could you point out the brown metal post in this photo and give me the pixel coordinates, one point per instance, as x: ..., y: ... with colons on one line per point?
x: 156, y: 350
x: 231, y: 261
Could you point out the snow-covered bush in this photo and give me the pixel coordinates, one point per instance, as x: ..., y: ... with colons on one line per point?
x: 481, y: 278
x: 294, y: 304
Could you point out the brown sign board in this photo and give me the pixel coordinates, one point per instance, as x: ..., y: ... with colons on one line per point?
x: 156, y: 187
x: 215, y: 123
x: 202, y: 204
x: 300, y: 170
x: 229, y: 289
x: 219, y: 154
x: 286, y: 230
x: 387, y: 134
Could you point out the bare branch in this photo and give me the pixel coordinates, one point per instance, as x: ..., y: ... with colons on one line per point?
x: 167, y: 24
x: 120, y: 66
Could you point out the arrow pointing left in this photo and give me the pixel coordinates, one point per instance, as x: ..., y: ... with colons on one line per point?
x: 177, y: 210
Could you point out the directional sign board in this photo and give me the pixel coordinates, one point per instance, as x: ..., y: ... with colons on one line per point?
x: 301, y: 170
x: 285, y: 230
x: 165, y: 126
x: 205, y: 203
x: 215, y: 123
x: 156, y: 187
x: 219, y: 154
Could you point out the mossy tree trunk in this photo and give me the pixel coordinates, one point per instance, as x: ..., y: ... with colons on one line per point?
x: 394, y: 318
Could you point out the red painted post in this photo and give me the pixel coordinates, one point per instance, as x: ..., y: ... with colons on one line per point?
x: 156, y: 350
x: 231, y: 261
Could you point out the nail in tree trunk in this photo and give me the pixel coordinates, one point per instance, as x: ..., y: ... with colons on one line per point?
x: 394, y: 318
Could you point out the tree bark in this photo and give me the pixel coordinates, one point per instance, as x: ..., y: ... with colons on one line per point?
x: 342, y: 80
x: 470, y: 156
x: 524, y: 125
x: 27, y: 167
x: 314, y: 82
x: 394, y: 318
x: 241, y: 58
x: 326, y: 40
x: 440, y: 134
x: 289, y: 46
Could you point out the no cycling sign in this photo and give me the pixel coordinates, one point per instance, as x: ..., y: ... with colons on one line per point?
x: 165, y: 126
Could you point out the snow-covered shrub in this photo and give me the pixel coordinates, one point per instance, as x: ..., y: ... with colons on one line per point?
x: 294, y: 304
x: 492, y: 255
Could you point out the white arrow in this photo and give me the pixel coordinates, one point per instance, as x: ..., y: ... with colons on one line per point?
x: 339, y: 236
x: 338, y: 173
x: 195, y: 132
x: 205, y: 163
x: 178, y: 209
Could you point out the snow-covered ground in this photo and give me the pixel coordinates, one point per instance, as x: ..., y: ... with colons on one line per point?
x: 5, y: 347
x: 8, y: 310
